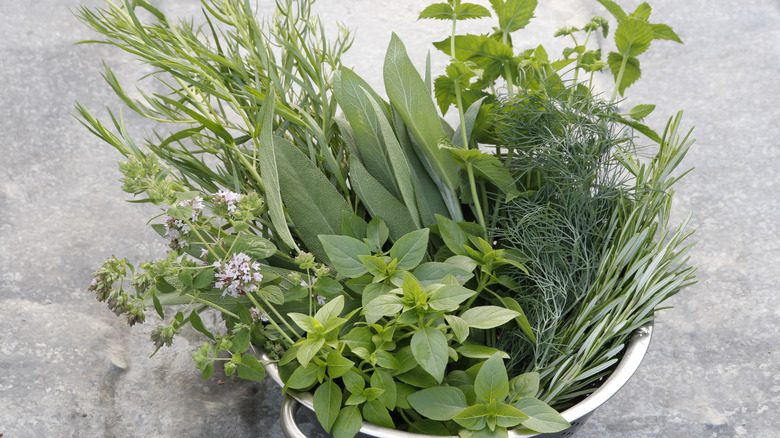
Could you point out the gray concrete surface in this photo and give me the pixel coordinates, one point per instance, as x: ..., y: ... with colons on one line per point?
x: 70, y: 368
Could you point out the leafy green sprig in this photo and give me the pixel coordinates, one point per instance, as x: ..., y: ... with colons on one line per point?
x: 415, y: 324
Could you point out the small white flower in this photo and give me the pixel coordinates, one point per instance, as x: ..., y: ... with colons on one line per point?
x: 238, y: 276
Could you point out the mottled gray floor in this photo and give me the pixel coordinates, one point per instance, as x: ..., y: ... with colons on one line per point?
x: 68, y: 367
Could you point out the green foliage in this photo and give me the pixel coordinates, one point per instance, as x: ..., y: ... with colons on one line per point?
x: 389, y: 263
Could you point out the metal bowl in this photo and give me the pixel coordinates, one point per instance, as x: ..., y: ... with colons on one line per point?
x: 576, y: 415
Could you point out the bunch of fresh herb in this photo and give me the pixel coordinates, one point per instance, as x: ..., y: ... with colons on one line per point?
x: 383, y: 258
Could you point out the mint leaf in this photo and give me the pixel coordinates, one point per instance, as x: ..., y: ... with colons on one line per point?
x: 664, y: 32
x: 633, y: 37
x: 631, y: 73
x: 639, y: 112
x: 438, y: 11
x: 513, y: 14
x: 614, y: 9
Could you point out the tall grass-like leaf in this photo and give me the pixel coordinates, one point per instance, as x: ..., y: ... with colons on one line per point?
x: 379, y: 202
x: 268, y: 170
x: 430, y: 200
x: 355, y: 98
x: 409, y: 95
x: 314, y: 205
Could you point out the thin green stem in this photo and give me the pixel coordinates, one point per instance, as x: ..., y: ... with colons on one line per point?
x: 271, y: 320
x: 463, y: 135
x: 209, y: 303
x: 619, y: 77
x: 507, y: 71
x: 475, y: 196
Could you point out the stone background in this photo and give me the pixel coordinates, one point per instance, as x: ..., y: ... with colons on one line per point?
x: 69, y: 367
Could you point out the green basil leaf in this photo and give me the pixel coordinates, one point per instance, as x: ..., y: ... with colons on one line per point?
x: 303, y: 377
x: 327, y: 403
x: 477, y: 351
x: 485, y: 317
x: 439, y: 403
x: 410, y: 249
x: 509, y: 416
x: 251, y: 369
x: 382, y: 379
x: 348, y: 422
x: 331, y: 309
x: 541, y: 417
x: 377, y: 233
x: 375, y: 412
x: 430, y: 350
x: 338, y: 365
x: 448, y: 298
x: 524, y: 385
x: 473, y: 417
x: 343, y: 252
x: 492, y: 382
x: 459, y: 327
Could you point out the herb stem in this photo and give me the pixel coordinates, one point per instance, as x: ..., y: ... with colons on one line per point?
x: 475, y: 197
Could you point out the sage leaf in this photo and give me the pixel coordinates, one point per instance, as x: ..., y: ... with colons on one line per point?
x: 439, y: 403
x: 315, y: 207
x: 327, y: 403
x: 410, y: 96
x: 254, y: 246
x: 379, y: 202
x: 266, y: 157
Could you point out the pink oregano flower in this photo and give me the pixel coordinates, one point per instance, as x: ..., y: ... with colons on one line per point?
x: 238, y: 276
